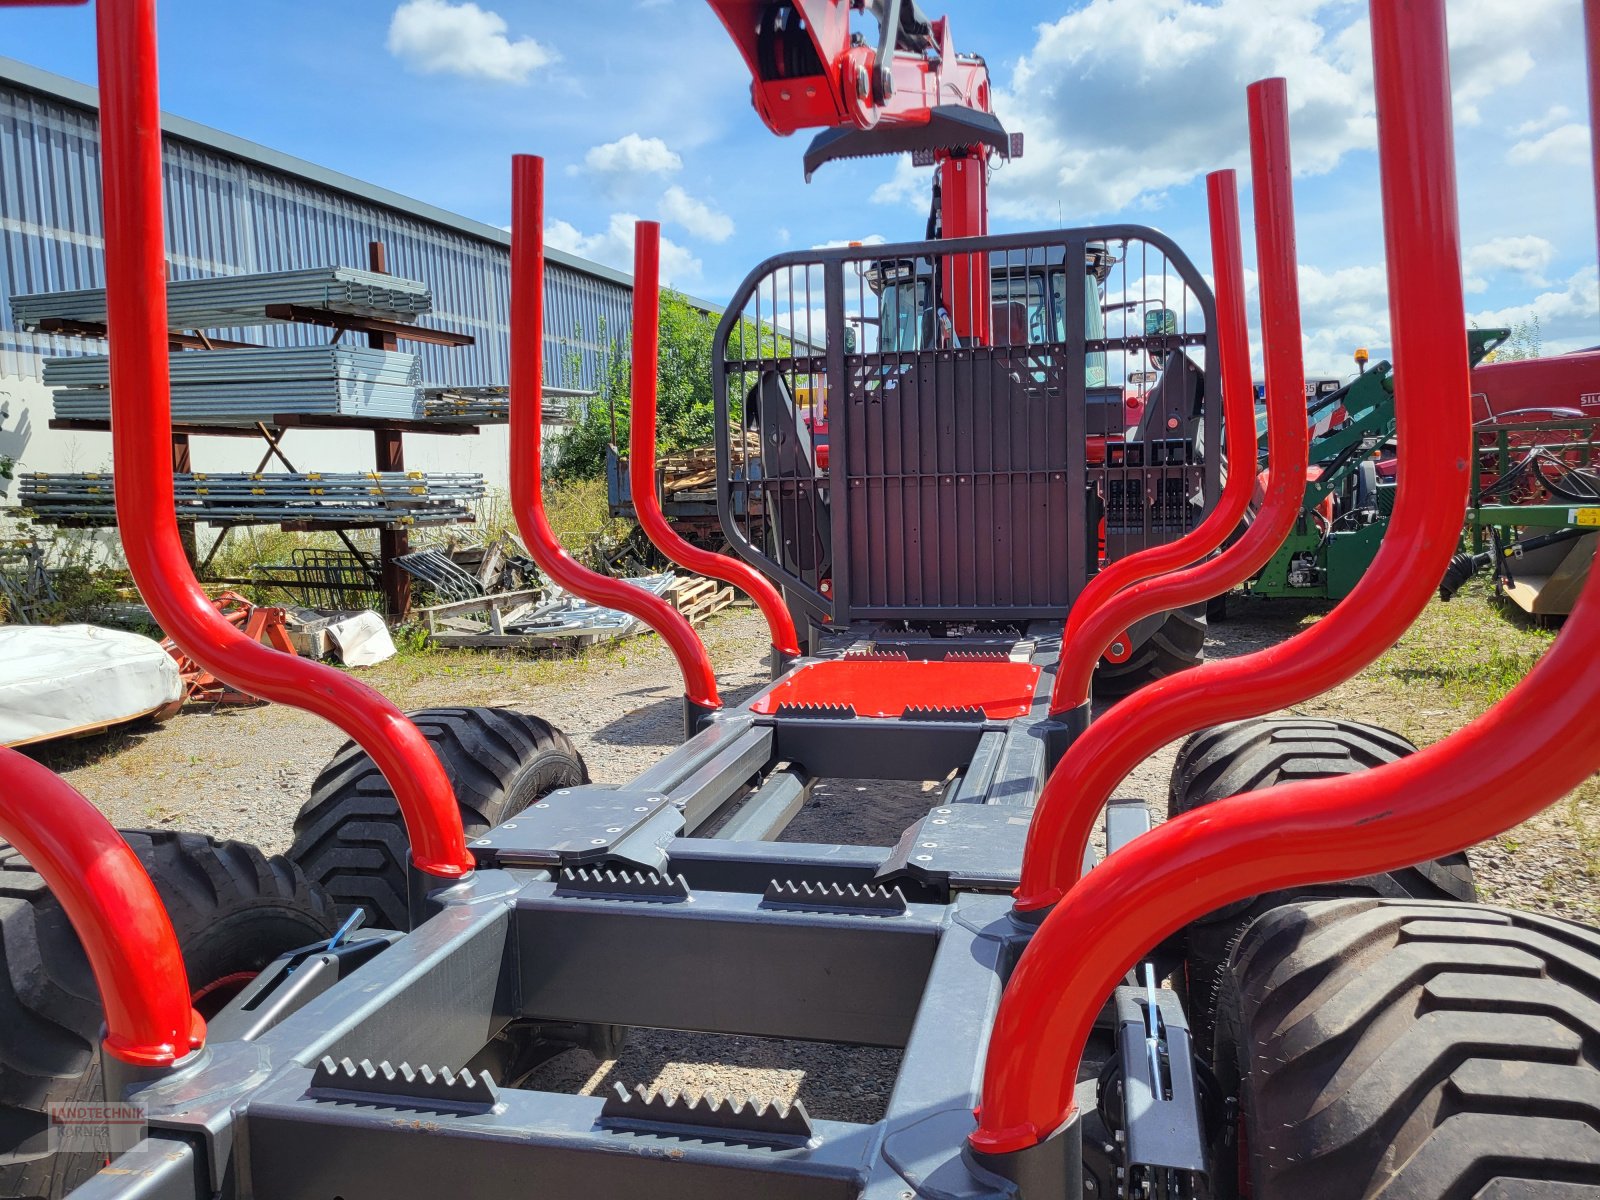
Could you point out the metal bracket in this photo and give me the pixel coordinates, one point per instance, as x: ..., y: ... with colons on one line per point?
x: 585, y: 826
x: 920, y: 712
x: 1160, y: 1099
x: 423, y: 1087
x: 976, y: 847
x: 1125, y: 820
x: 623, y: 885
x: 867, y: 899
x: 816, y: 712
x: 674, y: 1115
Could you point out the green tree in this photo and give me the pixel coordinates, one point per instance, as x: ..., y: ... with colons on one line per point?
x: 1526, y: 341
x: 685, y: 414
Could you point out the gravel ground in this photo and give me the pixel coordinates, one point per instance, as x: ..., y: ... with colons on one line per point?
x: 243, y: 772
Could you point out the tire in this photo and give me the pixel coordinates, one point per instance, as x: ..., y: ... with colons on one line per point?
x: 1247, y: 756
x: 234, y: 911
x: 1413, y: 1052
x: 350, y: 838
x: 1177, y: 644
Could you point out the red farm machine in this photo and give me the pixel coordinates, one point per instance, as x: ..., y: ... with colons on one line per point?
x: 1342, y: 1020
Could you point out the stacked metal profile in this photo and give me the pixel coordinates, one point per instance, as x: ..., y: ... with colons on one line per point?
x: 486, y: 405
x: 395, y: 499
x: 236, y: 301
x: 230, y: 387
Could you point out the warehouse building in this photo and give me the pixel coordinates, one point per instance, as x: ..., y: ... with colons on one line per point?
x: 235, y: 207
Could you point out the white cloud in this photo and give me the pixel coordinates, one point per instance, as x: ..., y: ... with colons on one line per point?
x: 1123, y: 100
x: 614, y: 248
x: 1555, y: 115
x: 1527, y: 256
x: 1568, y: 144
x: 696, y: 216
x: 633, y: 155
x: 1569, y: 318
x: 436, y: 36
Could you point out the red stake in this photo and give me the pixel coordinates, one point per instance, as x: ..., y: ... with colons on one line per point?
x: 1496, y: 772
x: 1080, y: 650
x: 1287, y: 440
x: 642, y: 452
x: 141, y: 435
x: 1432, y: 390
x: 527, y: 436
x: 114, y: 909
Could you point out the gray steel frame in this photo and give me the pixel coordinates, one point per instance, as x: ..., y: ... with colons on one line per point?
x: 597, y: 906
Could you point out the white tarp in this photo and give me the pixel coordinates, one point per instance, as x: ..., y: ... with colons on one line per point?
x: 55, y: 679
x: 362, y: 640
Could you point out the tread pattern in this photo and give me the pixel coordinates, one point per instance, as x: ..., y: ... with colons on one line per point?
x: 350, y: 838
x: 1406, y: 1050
x: 1177, y: 644
x: 233, y: 909
x: 1247, y: 756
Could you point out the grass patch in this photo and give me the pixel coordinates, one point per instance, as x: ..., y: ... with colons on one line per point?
x: 1467, y: 653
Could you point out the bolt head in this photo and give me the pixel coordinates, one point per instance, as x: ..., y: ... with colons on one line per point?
x: 924, y: 858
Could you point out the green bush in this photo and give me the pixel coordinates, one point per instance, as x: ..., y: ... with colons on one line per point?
x: 685, y: 414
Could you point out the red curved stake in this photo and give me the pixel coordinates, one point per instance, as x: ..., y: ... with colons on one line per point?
x: 141, y: 433
x: 1239, y: 435
x: 1487, y: 777
x: 114, y: 909
x: 1287, y: 439
x: 1431, y: 387
x: 527, y: 416
x: 642, y: 453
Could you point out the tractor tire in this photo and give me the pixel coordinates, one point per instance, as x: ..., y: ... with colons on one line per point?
x: 1247, y: 756
x: 350, y: 838
x: 234, y: 911
x: 1178, y: 644
x: 1413, y: 1052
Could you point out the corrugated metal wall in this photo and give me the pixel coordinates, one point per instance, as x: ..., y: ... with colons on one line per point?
x: 229, y: 216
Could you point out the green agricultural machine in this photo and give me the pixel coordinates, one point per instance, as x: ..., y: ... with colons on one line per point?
x: 1350, y: 486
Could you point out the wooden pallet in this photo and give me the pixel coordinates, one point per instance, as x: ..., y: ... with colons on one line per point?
x: 698, y: 598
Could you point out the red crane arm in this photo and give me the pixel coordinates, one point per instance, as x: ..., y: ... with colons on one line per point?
x: 808, y: 71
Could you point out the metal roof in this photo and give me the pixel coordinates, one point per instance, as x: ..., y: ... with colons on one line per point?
x: 20, y: 74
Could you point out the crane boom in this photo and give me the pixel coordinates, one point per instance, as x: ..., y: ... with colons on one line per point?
x: 912, y: 93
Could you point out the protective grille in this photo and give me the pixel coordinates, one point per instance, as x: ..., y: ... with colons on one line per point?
x: 891, y: 446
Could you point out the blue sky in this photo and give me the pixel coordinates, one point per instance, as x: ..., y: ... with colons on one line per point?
x: 641, y: 108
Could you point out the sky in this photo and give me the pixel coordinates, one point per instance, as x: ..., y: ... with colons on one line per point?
x: 642, y: 109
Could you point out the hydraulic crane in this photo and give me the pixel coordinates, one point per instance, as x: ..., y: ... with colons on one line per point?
x: 913, y: 92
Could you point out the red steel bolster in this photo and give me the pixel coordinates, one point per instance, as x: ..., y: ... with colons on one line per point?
x: 1477, y: 783
x: 1481, y: 780
x: 114, y: 909
x: 1239, y: 434
x: 642, y: 453
x: 142, y: 453
x: 527, y: 437
x: 1423, y: 255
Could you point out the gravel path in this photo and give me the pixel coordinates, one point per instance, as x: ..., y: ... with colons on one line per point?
x: 243, y: 772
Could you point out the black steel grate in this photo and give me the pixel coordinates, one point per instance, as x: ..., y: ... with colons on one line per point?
x: 888, y: 451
